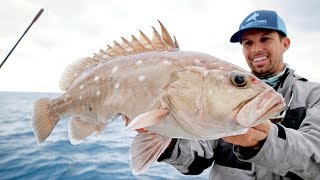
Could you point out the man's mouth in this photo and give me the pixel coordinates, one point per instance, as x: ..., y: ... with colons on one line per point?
x: 260, y: 61
x: 257, y: 59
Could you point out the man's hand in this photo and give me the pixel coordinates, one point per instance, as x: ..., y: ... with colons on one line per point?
x: 253, y: 137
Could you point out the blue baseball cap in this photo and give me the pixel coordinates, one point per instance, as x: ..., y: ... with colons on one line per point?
x: 262, y: 19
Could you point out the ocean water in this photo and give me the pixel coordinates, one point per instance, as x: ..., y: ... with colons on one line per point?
x: 105, y: 156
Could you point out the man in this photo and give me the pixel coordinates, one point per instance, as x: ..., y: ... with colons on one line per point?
x: 286, y: 150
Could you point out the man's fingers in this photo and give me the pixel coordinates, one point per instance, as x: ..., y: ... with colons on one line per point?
x: 237, y: 139
x: 252, y: 137
x: 264, y: 127
x: 226, y: 139
x: 257, y: 134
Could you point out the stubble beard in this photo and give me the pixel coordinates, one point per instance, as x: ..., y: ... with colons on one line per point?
x: 263, y: 73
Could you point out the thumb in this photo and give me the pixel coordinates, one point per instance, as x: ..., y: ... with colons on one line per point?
x: 264, y: 127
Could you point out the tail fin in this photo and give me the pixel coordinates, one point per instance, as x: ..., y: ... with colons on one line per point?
x: 43, y: 119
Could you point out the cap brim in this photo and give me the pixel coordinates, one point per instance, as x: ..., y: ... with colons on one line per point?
x: 236, y: 37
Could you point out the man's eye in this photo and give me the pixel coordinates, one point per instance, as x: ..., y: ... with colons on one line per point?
x: 264, y: 39
x: 247, y: 43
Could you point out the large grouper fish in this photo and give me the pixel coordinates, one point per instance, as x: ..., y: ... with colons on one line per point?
x: 156, y: 87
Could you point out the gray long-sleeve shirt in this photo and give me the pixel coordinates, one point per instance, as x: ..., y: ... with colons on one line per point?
x: 291, y: 150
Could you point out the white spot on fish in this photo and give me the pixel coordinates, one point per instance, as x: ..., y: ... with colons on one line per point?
x: 81, y: 87
x: 197, y: 61
x: 205, y: 73
x: 142, y: 78
x: 66, y: 98
x: 75, y: 74
x: 114, y: 70
x: 80, y: 97
x: 139, y: 62
x: 96, y: 78
x: 230, y: 91
x: 98, y: 93
x: 220, y: 67
x: 166, y: 62
x: 117, y: 85
x: 210, y: 92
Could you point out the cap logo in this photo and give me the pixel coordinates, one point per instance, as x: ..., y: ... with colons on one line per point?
x: 252, y: 21
x: 253, y: 17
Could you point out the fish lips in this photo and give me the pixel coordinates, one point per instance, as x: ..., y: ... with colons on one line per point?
x: 260, y: 108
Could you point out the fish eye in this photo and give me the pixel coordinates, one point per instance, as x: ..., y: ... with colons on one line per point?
x: 238, y: 79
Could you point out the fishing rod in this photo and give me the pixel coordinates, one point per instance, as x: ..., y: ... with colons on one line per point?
x: 34, y: 20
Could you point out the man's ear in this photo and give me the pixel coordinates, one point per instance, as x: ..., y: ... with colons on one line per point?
x: 286, y: 43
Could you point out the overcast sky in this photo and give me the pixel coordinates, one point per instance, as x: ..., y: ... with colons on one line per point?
x: 69, y: 30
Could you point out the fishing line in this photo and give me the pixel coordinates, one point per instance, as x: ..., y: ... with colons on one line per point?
x: 34, y: 20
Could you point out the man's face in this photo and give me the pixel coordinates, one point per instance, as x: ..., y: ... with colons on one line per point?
x: 263, y: 50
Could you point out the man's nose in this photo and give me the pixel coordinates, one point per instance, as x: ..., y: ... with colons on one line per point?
x: 256, y: 47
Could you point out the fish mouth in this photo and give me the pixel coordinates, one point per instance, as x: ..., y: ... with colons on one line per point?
x: 260, y: 108
x: 278, y: 107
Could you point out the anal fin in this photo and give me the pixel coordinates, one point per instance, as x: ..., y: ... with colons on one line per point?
x: 145, y: 149
x: 79, y: 130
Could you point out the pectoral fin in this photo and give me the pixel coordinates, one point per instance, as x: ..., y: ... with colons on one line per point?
x: 79, y: 130
x: 148, y: 119
x: 145, y: 149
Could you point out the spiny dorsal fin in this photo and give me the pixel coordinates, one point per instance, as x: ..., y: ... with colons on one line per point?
x: 136, y: 46
x: 158, y: 40
x: 144, y: 44
x: 127, y: 45
x: 167, y: 38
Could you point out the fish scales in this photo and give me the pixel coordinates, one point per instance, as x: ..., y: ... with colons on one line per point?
x: 159, y: 90
x: 125, y: 86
